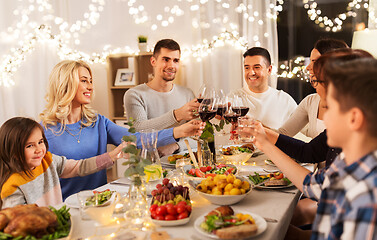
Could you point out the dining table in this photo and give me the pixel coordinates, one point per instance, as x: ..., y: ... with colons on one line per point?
x: 275, y: 206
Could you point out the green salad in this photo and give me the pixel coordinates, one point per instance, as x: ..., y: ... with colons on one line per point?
x: 99, y: 198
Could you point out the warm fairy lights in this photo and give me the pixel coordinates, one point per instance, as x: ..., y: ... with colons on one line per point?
x: 32, y: 33
x: 335, y: 24
x: 295, y: 68
x: 59, y: 33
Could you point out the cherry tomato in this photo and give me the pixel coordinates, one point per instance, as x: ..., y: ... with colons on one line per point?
x: 232, y: 220
x: 181, y: 209
x: 153, y: 207
x: 210, y: 174
x: 171, y: 209
x: 199, y: 173
x: 188, y: 208
x: 192, y: 171
x: 161, y: 210
x: 209, y: 168
x: 159, y: 217
x: 230, y: 170
x: 279, y: 175
x: 220, y: 166
x: 153, y: 214
x: 183, y: 215
x: 184, y: 203
x: 203, y: 169
x: 170, y: 217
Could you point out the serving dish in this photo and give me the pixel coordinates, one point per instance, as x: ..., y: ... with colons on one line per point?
x: 187, y: 169
x: 220, y: 199
x: 164, y: 223
x: 259, y: 221
x: 271, y: 163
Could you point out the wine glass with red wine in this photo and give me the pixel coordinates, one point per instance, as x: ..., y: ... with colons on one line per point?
x: 221, y: 103
x: 202, y: 92
x: 232, y: 112
x: 239, y: 106
x: 208, y: 108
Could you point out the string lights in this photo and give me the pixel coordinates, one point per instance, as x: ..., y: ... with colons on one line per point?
x: 33, y: 33
x: 39, y: 33
x: 294, y: 68
x: 333, y: 24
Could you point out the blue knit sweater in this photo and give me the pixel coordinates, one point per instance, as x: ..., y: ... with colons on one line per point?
x: 93, y: 142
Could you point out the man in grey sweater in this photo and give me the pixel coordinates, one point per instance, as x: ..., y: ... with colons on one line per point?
x: 160, y: 103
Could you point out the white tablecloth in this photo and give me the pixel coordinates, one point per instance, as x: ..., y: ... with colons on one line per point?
x: 275, y: 204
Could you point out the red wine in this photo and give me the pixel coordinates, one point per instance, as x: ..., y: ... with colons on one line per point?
x: 241, y: 110
x: 221, y: 110
x: 207, y: 115
x: 200, y: 100
x: 231, y: 117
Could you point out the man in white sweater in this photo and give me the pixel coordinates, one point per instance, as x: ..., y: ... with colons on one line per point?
x: 270, y: 106
x: 160, y: 103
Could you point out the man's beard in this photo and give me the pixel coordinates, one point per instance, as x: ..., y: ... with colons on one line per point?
x: 169, y: 79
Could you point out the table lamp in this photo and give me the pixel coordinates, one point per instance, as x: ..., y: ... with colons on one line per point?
x: 366, y: 40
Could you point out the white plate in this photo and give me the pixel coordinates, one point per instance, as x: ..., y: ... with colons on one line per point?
x: 163, y: 223
x: 274, y: 187
x: 270, y: 187
x: 165, y: 162
x: 259, y: 221
x: 72, y: 201
x: 269, y: 162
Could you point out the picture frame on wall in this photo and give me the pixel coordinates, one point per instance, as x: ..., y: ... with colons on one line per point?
x: 125, y: 77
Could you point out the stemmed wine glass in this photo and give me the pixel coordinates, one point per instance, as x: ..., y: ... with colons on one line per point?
x: 208, y: 106
x: 232, y: 111
x: 221, y: 102
x: 202, y: 92
x: 239, y: 106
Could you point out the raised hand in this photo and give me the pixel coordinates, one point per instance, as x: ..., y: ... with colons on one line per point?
x: 117, y: 152
x: 188, y: 111
x: 192, y: 128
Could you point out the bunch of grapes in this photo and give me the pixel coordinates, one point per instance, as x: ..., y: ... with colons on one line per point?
x: 170, y: 202
x: 167, y: 191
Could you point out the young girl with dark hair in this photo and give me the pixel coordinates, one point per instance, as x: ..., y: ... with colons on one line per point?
x: 29, y: 173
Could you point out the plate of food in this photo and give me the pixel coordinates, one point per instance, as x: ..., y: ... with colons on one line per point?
x: 169, y: 161
x: 52, y: 223
x: 222, y: 189
x: 72, y: 201
x: 237, y: 154
x: 275, y: 180
x: 170, y: 204
x: 271, y: 163
x: 103, y: 196
x: 224, y: 223
x: 205, y: 171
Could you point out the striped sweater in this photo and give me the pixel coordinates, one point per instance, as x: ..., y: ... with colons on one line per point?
x: 43, y: 187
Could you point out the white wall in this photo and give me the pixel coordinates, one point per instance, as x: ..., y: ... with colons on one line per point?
x: 116, y: 28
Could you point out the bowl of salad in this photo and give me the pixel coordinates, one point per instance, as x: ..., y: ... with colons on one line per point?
x: 237, y: 154
x: 205, y: 171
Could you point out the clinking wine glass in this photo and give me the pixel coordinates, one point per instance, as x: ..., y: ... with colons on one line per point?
x: 202, y: 93
x: 239, y: 107
x: 232, y: 112
x: 207, y: 109
x: 221, y: 103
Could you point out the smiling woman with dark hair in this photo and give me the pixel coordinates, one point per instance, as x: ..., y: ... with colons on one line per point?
x: 308, y: 117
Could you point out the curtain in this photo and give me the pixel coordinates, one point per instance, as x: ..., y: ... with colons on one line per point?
x: 116, y: 25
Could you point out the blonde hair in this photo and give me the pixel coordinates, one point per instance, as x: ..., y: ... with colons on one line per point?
x: 62, y: 89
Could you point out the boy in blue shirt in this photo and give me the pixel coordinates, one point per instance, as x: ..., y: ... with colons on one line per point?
x: 346, y: 191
